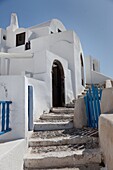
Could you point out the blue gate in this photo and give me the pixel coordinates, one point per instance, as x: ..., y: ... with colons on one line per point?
x: 92, y: 102
x: 4, y: 116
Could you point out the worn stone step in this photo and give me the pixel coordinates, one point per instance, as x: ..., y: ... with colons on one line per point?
x: 73, y: 132
x: 45, y: 126
x: 80, y: 96
x: 62, y: 159
x: 66, y: 147
x: 61, y: 141
x: 52, y: 116
x: 78, y: 167
x: 62, y: 110
x: 84, y: 93
x: 70, y: 105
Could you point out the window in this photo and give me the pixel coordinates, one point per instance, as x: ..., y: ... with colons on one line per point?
x: 20, y: 39
x: 51, y: 32
x: 59, y: 30
x: 4, y: 37
x: 93, y: 67
x: 28, y: 45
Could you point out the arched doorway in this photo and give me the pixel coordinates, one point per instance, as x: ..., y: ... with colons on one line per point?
x: 58, y: 91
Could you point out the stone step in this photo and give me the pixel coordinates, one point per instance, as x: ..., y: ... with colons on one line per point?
x: 62, y: 159
x: 33, y: 142
x: 70, y: 133
x: 80, y: 96
x: 84, y: 93
x: 62, y: 110
x: 52, y: 116
x: 78, y: 167
x: 45, y: 126
x: 70, y: 105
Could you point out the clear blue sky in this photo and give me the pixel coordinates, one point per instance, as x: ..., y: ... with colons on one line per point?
x: 92, y: 20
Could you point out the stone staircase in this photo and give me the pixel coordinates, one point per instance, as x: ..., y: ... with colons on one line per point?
x: 56, y: 144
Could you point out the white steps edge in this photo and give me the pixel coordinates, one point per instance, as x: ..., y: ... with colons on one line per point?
x: 62, y: 110
x: 62, y: 159
x: 53, y: 116
x: 33, y: 142
x: 46, y: 126
x: 83, y: 167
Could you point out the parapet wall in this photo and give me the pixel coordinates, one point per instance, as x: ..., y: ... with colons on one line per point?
x: 106, y: 126
x: 106, y: 138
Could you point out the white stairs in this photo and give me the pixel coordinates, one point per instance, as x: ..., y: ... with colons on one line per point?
x: 56, y: 144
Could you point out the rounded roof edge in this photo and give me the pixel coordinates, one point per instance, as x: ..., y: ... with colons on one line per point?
x: 50, y: 23
x: 57, y: 21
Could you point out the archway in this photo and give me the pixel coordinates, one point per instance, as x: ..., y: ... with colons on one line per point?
x: 58, y: 91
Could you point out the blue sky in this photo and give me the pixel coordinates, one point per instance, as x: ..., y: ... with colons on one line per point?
x: 92, y: 20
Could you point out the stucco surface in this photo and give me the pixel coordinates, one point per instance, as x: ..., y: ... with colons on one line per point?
x: 106, y: 138
x: 80, y: 118
x: 107, y: 101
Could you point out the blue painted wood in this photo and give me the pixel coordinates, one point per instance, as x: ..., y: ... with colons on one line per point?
x: 5, y: 116
x: 92, y: 102
x: 95, y: 105
x: 91, y: 108
x: 5, y: 131
x: 87, y: 110
x: 30, y: 108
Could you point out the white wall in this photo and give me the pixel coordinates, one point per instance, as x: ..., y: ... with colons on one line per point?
x: 98, y: 77
x: 13, y: 88
x: 69, y: 93
x: 96, y: 65
x: 52, y: 25
x: 77, y: 66
x: 106, y: 138
x: 88, y: 69
x: 41, y: 103
x: 65, y: 45
x: 44, y: 31
x: 2, y: 41
x: 94, y: 77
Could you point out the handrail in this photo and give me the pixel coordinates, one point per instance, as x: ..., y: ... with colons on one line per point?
x: 5, y: 116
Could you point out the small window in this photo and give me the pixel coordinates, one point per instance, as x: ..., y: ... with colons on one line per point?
x: 20, y: 39
x: 4, y: 37
x: 93, y: 67
x: 59, y: 30
x: 28, y: 45
x: 51, y: 32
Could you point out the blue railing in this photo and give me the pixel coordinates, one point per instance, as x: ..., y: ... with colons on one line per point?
x: 92, y: 102
x: 4, y: 116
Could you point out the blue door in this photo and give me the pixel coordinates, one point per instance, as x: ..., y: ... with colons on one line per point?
x: 30, y: 108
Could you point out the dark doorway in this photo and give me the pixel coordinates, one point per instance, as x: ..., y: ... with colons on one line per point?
x: 58, y: 91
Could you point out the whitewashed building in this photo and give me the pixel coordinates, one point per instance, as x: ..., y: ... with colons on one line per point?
x: 47, y: 57
x: 41, y: 67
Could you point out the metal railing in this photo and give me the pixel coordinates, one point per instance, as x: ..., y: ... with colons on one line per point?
x: 4, y: 116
